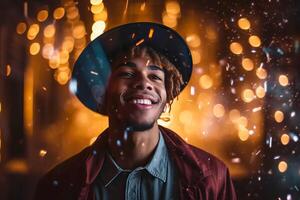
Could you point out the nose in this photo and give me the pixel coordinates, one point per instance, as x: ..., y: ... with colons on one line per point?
x: 142, y: 83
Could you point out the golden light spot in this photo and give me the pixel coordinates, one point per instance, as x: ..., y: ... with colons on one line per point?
x: 33, y: 31
x: 234, y: 115
x: 62, y: 77
x: 244, y: 23
x: 49, y: 31
x: 173, y: 7
x: 94, y: 35
x: 47, y: 51
x: 150, y: 35
x: 279, y: 116
x: 96, y: 9
x: 242, y: 121
x: 211, y: 34
x: 93, y: 139
x: 17, y: 166
x: 282, y: 166
x: 59, y: 13
x: 101, y: 16
x: 193, y: 40
x: 42, y: 153
x: 261, y: 73
x: 196, y: 57
x: 243, y: 133
x: 205, y: 81
x: 254, y: 41
x: 98, y: 27
x: 34, y: 48
x: 21, y: 28
x: 8, y: 70
x: 218, y: 110
x: 96, y: 2
x: 185, y: 116
x: 54, y: 60
x: 285, y: 139
x: 236, y: 48
x: 260, y: 92
x: 139, y: 42
x: 63, y: 57
x: 72, y: 13
x: 169, y: 20
x: 248, y: 95
x: 79, y: 31
x: 247, y: 64
x: 68, y: 43
x: 42, y: 15
x: 143, y: 6
x: 283, y: 80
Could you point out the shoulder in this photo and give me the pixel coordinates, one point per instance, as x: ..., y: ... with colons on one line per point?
x: 65, y: 176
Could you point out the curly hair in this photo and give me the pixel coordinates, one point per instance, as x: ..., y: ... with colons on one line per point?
x: 173, y: 79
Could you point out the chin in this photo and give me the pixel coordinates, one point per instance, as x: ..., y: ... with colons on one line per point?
x: 140, y: 126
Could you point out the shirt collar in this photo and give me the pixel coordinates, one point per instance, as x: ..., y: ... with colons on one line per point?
x: 157, y: 166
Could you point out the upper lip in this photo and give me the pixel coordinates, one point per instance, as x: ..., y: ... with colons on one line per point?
x: 141, y: 96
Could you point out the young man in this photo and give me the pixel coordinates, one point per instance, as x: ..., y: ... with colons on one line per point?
x: 131, y: 73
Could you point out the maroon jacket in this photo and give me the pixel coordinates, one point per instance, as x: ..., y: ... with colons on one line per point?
x: 201, y: 175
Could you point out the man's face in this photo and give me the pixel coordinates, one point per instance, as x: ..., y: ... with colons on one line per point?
x: 136, y: 93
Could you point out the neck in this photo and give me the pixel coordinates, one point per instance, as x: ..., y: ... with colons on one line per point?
x: 132, y: 149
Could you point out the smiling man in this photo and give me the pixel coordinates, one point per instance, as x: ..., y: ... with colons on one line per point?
x: 131, y: 74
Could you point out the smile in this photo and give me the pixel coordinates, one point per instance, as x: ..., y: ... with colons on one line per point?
x: 141, y: 101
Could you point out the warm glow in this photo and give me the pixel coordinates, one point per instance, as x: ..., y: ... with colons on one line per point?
x: 236, y: 48
x: 96, y: 9
x: 54, y: 60
x: 196, y: 56
x: 283, y: 80
x: 285, y: 139
x: 42, y: 15
x: 59, y: 13
x: 248, y: 95
x: 17, y: 166
x: 185, y: 116
x: 260, y: 92
x: 193, y: 40
x: 282, y: 166
x: 254, y: 41
x: 218, y: 110
x: 47, y: 51
x: 62, y: 77
x: 72, y: 13
x: 205, y: 81
x: 101, y: 16
x: 234, y: 115
x: 21, y: 28
x: 242, y: 121
x: 33, y: 31
x: 34, y: 48
x: 169, y: 21
x: 95, y: 2
x: 42, y: 153
x: 247, y: 64
x: 244, y: 23
x: 68, y: 43
x: 279, y: 116
x: 261, y: 73
x: 63, y: 57
x: 99, y: 27
x: 49, y: 31
x: 243, y: 133
x: 8, y: 70
x: 79, y: 31
x: 173, y: 7
x: 143, y: 6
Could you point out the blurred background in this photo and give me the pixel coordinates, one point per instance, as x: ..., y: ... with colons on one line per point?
x: 242, y: 103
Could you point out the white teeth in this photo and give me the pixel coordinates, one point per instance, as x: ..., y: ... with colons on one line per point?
x: 142, y: 101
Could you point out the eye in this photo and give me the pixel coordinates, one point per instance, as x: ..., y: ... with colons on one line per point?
x: 126, y: 74
x: 155, y: 77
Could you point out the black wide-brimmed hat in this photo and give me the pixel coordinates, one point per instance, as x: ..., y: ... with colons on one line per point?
x: 93, y: 67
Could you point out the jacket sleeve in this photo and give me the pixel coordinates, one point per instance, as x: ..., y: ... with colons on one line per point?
x: 226, y: 189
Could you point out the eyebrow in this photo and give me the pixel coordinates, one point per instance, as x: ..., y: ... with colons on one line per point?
x: 131, y: 64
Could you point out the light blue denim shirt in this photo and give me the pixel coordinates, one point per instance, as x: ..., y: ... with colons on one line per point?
x: 156, y: 180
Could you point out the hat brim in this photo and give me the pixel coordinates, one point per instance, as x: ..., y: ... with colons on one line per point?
x: 93, y: 67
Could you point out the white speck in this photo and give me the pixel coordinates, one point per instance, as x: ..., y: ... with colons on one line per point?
x: 241, y: 78
x: 289, y: 197
x: 295, y: 138
x: 256, y: 109
x: 193, y: 90
x: 119, y: 142
x: 73, y: 86
x: 276, y: 157
x: 259, y: 178
x: 293, y: 114
x: 265, y: 86
x: 251, y: 132
x: 233, y: 91
x: 93, y: 72
x: 235, y: 160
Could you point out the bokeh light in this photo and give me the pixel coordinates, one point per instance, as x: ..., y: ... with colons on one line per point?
x: 247, y: 64
x: 236, y: 48
x: 285, y: 139
x: 59, y: 13
x: 278, y: 116
x: 254, y: 41
x: 244, y: 23
x: 34, y: 48
x: 261, y: 73
x: 42, y: 15
x: 33, y: 31
x: 260, y: 92
x: 205, y: 81
x: 21, y: 28
x: 248, y: 95
x: 219, y: 110
x: 282, y: 166
x: 283, y: 80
